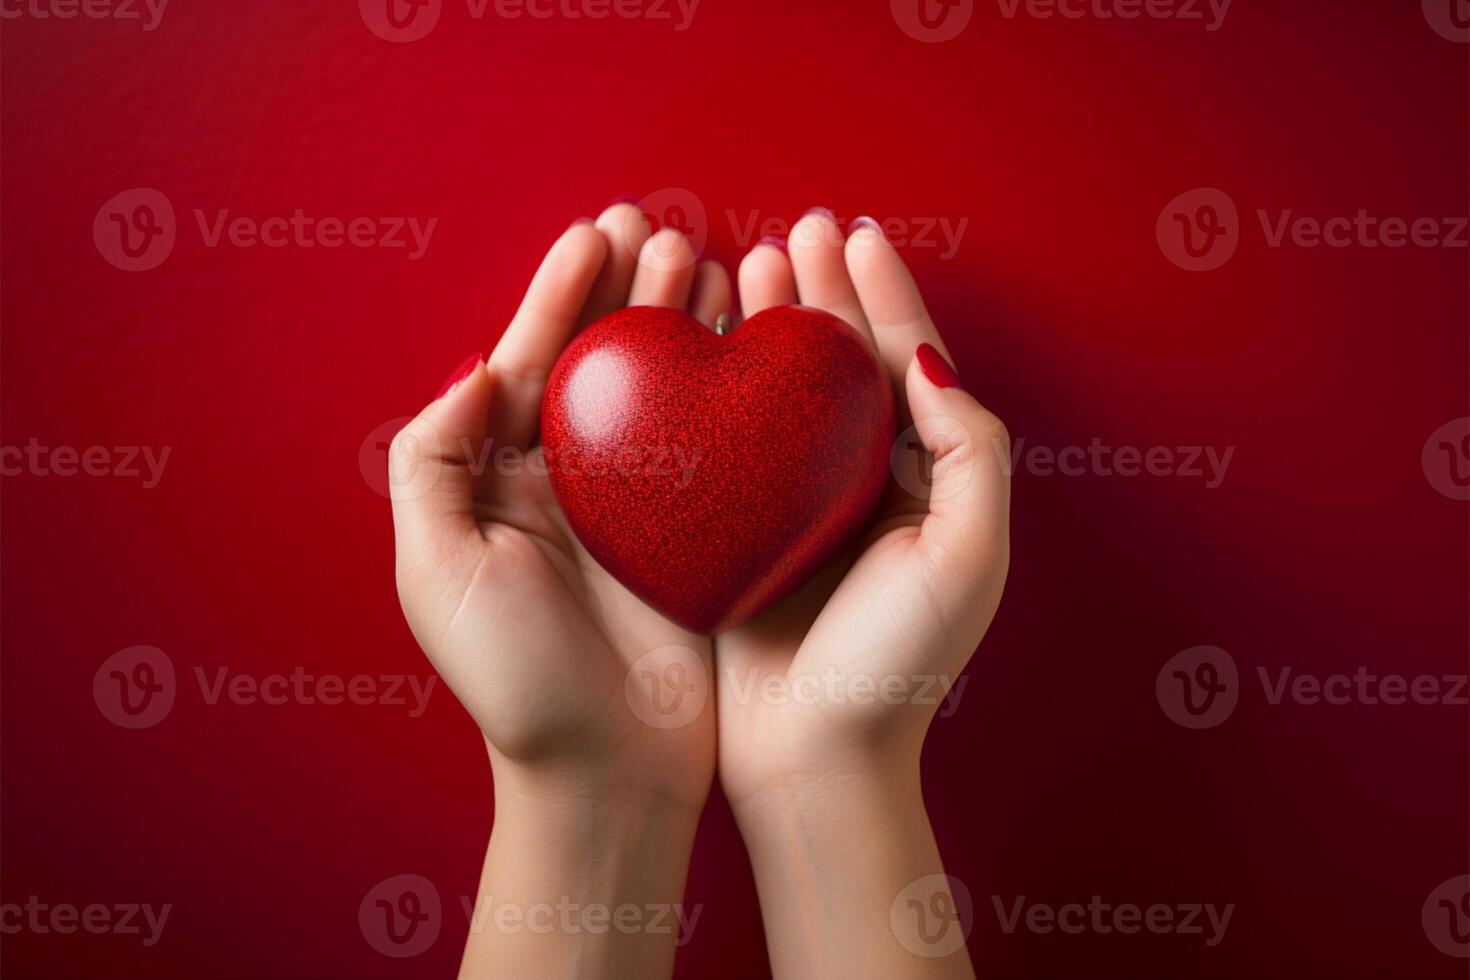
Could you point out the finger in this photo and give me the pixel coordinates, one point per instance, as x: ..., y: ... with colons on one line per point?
x: 710, y: 296
x: 541, y: 327
x: 821, y: 272
x: 665, y: 272
x: 766, y: 278
x: 430, y: 475
x: 890, y: 298
x: 969, y: 488
x: 626, y: 229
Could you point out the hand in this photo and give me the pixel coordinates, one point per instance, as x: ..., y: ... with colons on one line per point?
x: 822, y: 699
x: 593, y: 801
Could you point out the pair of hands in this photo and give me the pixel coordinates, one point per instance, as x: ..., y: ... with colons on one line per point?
x: 594, y: 798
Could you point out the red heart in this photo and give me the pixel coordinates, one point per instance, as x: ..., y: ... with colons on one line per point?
x: 712, y: 475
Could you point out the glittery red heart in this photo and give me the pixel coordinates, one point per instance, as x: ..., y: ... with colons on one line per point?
x: 712, y: 475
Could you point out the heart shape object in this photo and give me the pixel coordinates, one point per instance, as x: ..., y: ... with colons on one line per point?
x: 711, y: 475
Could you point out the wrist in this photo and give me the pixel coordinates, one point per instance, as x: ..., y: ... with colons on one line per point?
x: 823, y: 771
x: 846, y: 857
x: 569, y: 799
x: 807, y: 806
x: 582, y: 877
x: 675, y: 790
x: 597, y: 851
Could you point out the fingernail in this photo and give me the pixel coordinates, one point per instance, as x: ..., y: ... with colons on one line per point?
x: 584, y: 220
x: 775, y: 241
x: 824, y: 212
x: 936, y: 368
x: 625, y: 199
x: 458, y: 375
x: 863, y: 221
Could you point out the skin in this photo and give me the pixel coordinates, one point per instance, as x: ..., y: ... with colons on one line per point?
x: 596, y: 798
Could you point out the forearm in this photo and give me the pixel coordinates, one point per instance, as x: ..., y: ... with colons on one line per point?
x: 850, y: 879
x: 579, y: 883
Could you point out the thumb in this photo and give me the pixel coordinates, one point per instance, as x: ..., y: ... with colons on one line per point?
x: 430, y: 478
x: 966, y: 533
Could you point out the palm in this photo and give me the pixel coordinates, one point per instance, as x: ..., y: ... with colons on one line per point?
x: 567, y: 636
x: 550, y: 655
x: 862, y: 615
x: 889, y: 610
x: 555, y: 659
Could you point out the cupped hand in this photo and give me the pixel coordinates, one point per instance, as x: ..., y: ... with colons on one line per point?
x: 842, y: 678
x: 567, y: 673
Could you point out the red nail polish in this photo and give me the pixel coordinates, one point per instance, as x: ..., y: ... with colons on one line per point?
x: 625, y: 199
x: 775, y: 241
x: 458, y: 375
x: 865, y: 222
x: 936, y: 368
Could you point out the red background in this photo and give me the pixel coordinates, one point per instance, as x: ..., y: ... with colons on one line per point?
x: 263, y: 548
